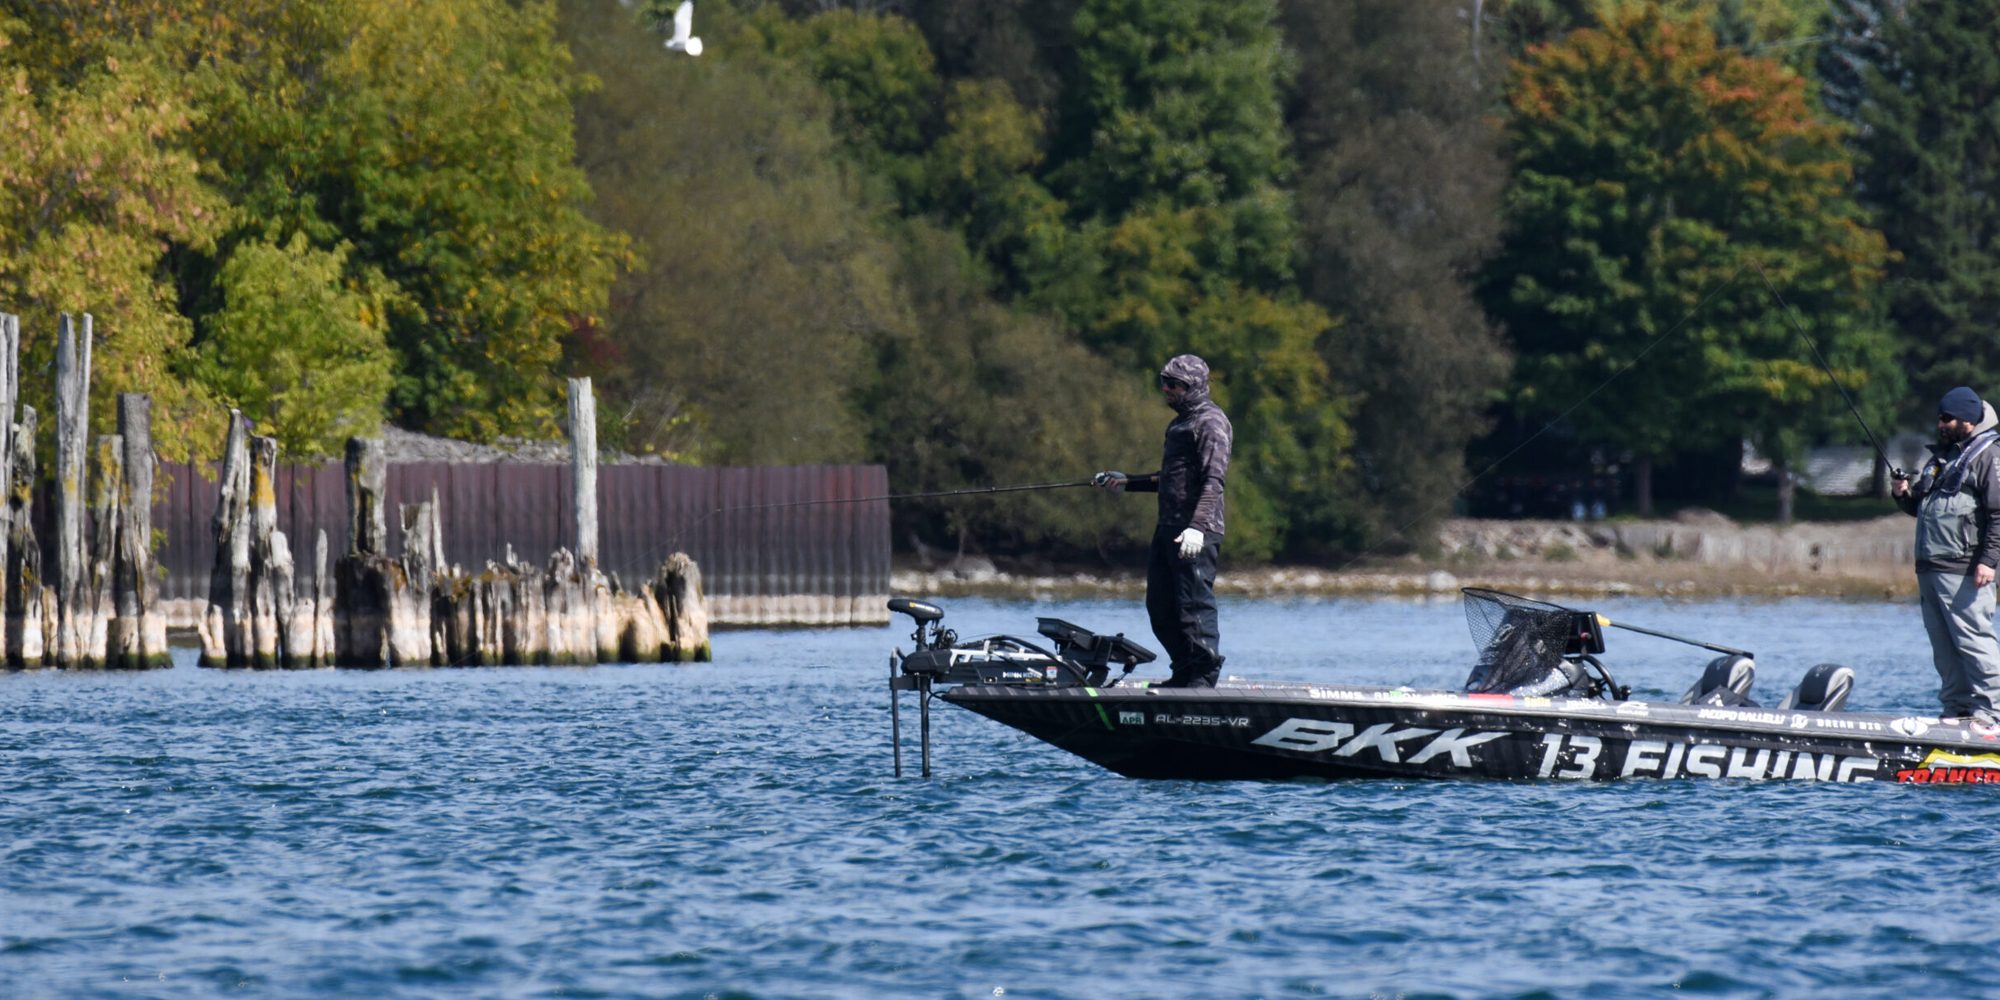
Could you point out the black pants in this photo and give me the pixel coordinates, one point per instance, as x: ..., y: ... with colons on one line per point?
x: 1180, y: 597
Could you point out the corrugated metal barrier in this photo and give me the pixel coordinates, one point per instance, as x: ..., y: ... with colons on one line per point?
x: 818, y: 564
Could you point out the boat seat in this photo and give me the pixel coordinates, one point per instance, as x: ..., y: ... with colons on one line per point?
x: 1824, y: 688
x: 1726, y: 681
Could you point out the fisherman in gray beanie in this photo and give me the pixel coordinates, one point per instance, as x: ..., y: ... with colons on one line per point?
x: 1180, y: 567
x: 1953, y: 499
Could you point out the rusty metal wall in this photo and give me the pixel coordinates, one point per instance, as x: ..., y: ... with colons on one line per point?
x: 824, y: 563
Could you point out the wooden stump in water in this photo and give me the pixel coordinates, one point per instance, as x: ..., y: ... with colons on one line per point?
x: 138, y: 632
x: 381, y: 618
x: 678, y: 591
x: 25, y: 639
x: 96, y: 604
x: 225, y: 623
x: 72, y: 430
x: 10, y: 391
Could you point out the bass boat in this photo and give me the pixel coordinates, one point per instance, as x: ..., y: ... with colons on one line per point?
x: 1539, y: 704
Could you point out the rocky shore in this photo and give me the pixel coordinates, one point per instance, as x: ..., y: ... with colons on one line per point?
x: 1695, y: 554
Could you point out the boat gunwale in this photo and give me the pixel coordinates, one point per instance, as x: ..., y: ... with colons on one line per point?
x: 1934, y: 731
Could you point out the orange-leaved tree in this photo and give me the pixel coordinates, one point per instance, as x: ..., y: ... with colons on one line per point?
x: 1649, y: 166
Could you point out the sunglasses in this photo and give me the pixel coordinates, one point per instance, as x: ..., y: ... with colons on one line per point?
x: 1167, y: 383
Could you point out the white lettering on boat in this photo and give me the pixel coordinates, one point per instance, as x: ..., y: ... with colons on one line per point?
x: 1382, y: 739
x: 1318, y: 736
x: 1200, y: 720
x: 1455, y: 743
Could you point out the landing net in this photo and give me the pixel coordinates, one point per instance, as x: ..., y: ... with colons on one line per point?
x: 1519, y: 640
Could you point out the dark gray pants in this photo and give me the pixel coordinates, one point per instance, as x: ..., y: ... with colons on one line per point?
x: 1959, y: 618
x: 1180, y: 598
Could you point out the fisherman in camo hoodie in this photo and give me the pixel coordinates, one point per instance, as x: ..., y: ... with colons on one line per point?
x: 1180, y: 569
x: 1958, y: 544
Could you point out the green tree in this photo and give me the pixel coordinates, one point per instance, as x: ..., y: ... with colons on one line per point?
x: 797, y: 305
x: 741, y: 338
x: 970, y: 393
x: 96, y: 179
x: 1648, y: 166
x: 436, y: 137
x: 296, y: 347
x: 1169, y: 157
x: 432, y: 137
x: 1399, y: 203
x: 1931, y: 171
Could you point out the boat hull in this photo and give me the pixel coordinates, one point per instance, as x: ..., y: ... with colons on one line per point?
x: 1287, y: 730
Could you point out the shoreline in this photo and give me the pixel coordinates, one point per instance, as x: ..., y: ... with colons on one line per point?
x: 1698, y: 554
x: 1281, y: 581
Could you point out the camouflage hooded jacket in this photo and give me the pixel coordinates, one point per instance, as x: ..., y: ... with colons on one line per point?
x: 1195, y: 460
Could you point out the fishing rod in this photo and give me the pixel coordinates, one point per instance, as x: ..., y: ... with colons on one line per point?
x: 925, y: 495
x: 1876, y: 442
x: 1601, y: 620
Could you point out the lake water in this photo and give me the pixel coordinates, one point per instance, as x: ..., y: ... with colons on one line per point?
x: 732, y: 830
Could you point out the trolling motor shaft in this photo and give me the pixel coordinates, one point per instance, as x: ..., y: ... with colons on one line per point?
x: 929, y: 635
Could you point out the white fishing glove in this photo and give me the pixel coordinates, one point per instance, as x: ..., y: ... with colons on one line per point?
x: 1190, y: 543
x: 1113, y: 481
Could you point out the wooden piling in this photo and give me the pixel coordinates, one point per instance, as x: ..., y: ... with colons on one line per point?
x: 138, y: 638
x: 95, y: 609
x: 26, y: 593
x: 679, y: 595
x: 72, y: 426
x: 225, y: 624
x: 271, y: 582
x: 583, y: 467
x: 10, y: 349
x: 366, y: 580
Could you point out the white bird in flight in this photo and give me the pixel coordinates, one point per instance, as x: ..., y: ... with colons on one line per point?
x: 684, y: 23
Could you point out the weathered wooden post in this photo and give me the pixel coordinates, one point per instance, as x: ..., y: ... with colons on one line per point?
x: 139, y: 633
x: 679, y: 590
x: 382, y: 616
x: 27, y: 598
x: 322, y: 606
x: 94, y: 611
x: 225, y: 624
x: 10, y: 347
x: 72, y: 426
x: 270, y: 557
x: 583, y: 467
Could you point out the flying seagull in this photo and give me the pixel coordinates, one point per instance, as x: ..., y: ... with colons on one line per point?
x: 684, y: 23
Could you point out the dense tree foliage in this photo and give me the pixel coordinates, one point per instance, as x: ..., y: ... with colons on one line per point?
x: 96, y: 180
x: 1398, y: 201
x: 426, y: 144
x: 1931, y: 150
x: 960, y: 240
x: 1649, y: 167
x: 295, y: 348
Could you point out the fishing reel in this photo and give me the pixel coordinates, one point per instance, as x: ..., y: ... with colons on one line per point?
x: 929, y: 634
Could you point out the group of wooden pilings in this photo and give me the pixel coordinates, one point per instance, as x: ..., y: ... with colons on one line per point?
x: 371, y: 610
x: 421, y: 610
x: 100, y: 610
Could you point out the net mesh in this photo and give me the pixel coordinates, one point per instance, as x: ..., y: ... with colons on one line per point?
x: 1519, y: 640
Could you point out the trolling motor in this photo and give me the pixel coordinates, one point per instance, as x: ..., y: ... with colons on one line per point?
x: 1081, y: 658
x: 929, y: 636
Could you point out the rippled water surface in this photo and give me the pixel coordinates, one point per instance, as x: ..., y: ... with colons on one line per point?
x: 731, y: 830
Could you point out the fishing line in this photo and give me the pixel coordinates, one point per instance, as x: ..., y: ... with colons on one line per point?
x: 1821, y: 358
x: 1453, y: 495
x: 691, y: 525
